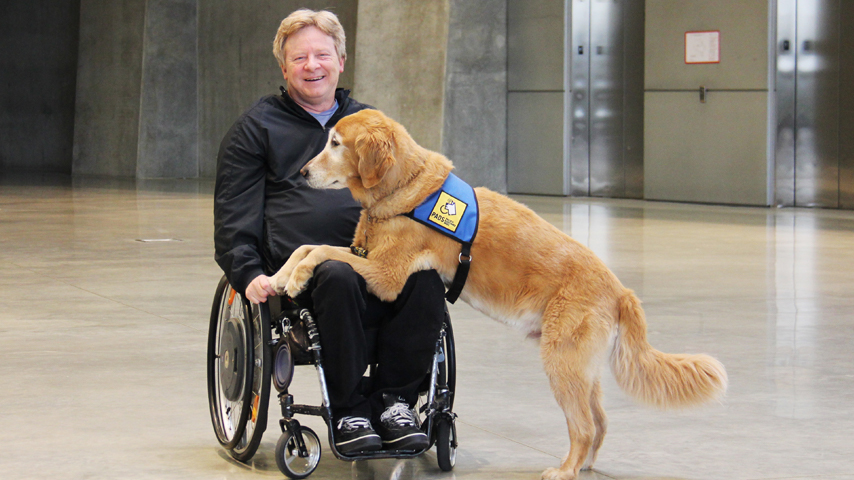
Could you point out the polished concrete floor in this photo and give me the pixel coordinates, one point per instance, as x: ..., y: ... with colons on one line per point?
x: 103, y: 337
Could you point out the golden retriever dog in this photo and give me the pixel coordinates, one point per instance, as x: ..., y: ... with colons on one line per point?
x: 524, y: 272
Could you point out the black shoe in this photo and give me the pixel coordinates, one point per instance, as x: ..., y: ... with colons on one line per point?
x: 399, y: 427
x: 355, y: 434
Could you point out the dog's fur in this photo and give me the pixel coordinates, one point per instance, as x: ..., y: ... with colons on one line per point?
x: 524, y: 272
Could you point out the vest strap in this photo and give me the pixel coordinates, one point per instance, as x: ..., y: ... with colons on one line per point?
x: 462, y: 274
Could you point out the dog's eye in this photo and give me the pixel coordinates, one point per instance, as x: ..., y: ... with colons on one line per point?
x: 334, y: 143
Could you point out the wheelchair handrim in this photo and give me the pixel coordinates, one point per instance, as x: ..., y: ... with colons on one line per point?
x: 257, y: 417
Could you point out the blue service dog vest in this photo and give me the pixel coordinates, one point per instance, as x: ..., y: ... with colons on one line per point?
x: 452, y: 211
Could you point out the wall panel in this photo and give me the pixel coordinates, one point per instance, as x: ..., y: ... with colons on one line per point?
x: 710, y: 148
x: 38, y: 72
x: 535, y: 143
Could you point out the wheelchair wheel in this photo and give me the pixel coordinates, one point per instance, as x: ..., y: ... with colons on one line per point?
x: 446, y: 444
x: 259, y: 393
x: 288, y: 457
x: 447, y: 375
x: 229, y: 377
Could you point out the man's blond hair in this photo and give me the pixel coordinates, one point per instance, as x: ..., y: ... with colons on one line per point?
x: 325, y: 21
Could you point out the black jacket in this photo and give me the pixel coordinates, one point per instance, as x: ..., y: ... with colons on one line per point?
x: 263, y: 208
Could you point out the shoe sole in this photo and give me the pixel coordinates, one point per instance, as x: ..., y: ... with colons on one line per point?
x: 361, y: 444
x: 413, y: 441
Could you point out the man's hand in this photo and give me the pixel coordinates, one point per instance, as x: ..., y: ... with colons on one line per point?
x: 259, y: 289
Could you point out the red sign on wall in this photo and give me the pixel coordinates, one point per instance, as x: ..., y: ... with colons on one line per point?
x: 703, y: 47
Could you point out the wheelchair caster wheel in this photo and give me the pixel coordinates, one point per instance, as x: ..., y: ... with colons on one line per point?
x: 446, y: 444
x: 292, y: 462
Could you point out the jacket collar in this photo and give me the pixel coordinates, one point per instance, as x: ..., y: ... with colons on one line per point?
x: 341, y: 94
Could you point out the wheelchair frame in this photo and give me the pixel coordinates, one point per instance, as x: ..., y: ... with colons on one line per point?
x: 243, y: 359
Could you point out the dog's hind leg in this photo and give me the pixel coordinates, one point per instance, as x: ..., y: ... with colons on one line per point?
x: 569, y: 349
x: 601, y: 422
x: 572, y: 392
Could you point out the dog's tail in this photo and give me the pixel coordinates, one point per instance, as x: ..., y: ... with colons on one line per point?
x: 661, y: 379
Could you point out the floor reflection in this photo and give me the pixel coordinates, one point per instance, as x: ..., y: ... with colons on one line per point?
x: 103, y: 343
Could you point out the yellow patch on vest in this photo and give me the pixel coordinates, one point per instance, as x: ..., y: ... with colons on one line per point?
x: 448, y: 212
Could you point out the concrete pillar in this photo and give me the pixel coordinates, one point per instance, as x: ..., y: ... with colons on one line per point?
x: 168, y: 116
x: 136, y: 112
x: 401, y: 50
x: 106, y: 121
x: 475, y: 113
x: 439, y: 68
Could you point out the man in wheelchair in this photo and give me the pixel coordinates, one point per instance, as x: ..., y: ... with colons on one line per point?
x: 264, y: 210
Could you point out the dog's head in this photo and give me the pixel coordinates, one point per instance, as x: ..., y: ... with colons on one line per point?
x: 361, y: 154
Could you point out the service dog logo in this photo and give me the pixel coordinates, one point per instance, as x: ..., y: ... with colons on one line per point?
x: 449, y: 208
x: 448, y: 211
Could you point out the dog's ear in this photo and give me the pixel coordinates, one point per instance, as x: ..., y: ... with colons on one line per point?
x: 375, y: 151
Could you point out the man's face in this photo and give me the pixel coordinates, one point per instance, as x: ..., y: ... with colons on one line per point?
x: 311, y: 68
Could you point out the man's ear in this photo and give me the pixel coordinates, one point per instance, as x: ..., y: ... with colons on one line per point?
x: 375, y: 151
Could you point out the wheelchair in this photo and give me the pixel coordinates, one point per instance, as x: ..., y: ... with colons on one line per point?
x: 252, y: 346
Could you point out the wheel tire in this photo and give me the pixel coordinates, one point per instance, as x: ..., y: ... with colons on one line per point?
x: 287, y: 454
x: 450, y: 359
x: 259, y: 393
x: 229, y: 403
x: 446, y: 440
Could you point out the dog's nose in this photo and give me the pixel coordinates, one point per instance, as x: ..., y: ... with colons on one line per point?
x: 304, y: 172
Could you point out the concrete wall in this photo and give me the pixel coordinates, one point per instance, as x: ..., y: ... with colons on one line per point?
x: 846, y: 107
x: 159, y: 82
x: 236, y: 63
x: 38, y: 72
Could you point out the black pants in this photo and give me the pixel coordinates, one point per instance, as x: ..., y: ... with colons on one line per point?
x: 404, y: 334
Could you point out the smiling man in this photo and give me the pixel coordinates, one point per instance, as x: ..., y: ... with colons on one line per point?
x: 311, y: 69
x: 264, y: 210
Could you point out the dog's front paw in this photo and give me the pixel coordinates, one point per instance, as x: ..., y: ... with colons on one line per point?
x: 278, y: 282
x: 557, y: 474
x: 299, y: 280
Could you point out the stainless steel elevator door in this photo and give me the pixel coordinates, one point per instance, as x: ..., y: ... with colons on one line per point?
x: 808, y: 97
x: 605, y: 123
x: 575, y: 126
